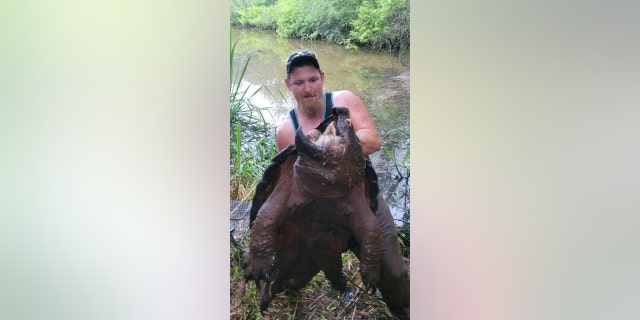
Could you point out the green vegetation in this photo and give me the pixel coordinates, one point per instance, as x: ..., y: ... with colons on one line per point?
x: 376, y: 24
x: 252, y: 142
x: 382, y: 24
x: 403, y: 167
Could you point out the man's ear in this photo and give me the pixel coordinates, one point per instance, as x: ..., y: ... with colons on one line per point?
x: 286, y: 82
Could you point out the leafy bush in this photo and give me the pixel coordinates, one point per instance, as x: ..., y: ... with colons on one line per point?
x: 379, y: 24
x: 382, y: 24
x: 261, y: 17
x: 248, y: 12
x: 325, y: 20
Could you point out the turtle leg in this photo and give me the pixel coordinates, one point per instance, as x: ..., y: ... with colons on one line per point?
x: 366, y: 231
x: 265, y: 296
x: 335, y: 276
x: 260, y: 260
x: 332, y: 268
x: 333, y: 272
x: 394, y: 276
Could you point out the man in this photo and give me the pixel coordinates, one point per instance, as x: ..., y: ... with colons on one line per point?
x: 305, y: 80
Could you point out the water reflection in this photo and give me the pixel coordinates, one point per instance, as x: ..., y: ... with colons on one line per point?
x: 381, y: 80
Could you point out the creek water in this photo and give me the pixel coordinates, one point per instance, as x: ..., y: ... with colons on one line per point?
x: 381, y: 80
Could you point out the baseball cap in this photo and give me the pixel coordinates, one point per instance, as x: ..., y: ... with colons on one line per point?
x: 301, y: 55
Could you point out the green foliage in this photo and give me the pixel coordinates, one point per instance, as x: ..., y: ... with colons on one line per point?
x: 379, y: 24
x: 403, y: 167
x: 324, y: 20
x: 255, y: 13
x: 382, y: 24
x: 252, y: 142
x: 261, y: 17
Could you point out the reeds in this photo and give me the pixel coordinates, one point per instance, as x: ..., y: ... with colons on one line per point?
x: 403, y: 167
x: 252, y: 141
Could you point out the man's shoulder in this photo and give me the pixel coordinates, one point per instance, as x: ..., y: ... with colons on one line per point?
x: 284, y: 134
x: 347, y: 98
x: 343, y: 93
x: 285, y: 126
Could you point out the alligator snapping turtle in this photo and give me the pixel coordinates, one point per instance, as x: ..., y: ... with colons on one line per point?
x: 316, y: 200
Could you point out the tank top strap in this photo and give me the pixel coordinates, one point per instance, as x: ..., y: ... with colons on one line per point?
x: 293, y: 116
x: 328, y: 104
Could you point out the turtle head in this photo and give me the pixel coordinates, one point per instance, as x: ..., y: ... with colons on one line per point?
x: 330, y: 154
x: 335, y: 133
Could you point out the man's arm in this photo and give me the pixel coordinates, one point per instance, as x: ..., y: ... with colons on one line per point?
x: 284, y: 135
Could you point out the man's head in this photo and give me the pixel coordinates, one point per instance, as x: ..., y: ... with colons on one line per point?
x: 301, y: 58
x: 305, y: 80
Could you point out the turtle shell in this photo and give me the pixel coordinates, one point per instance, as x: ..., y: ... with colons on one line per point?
x: 272, y: 173
x: 298, y: 224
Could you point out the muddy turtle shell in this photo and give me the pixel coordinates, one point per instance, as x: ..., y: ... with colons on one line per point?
x: 272, y: 173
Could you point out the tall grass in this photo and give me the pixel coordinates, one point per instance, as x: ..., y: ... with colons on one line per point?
x: 402, y: 165
x: 252, y: 141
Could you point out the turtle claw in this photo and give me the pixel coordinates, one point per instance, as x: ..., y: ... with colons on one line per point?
x: 371, y: 287
x: 370, y: 277
x: 257, y: 267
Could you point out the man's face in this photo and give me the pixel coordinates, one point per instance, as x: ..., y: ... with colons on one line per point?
x: 306, y: 85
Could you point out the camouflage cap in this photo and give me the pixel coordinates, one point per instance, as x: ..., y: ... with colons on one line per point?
x: 299, y: 56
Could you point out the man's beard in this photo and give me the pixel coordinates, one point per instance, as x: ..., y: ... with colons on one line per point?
x: 311, y: 108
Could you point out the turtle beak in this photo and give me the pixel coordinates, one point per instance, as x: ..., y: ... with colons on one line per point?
x: 305, y: 146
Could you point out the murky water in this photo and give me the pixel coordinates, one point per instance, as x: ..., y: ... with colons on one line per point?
x: 381, y: 80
